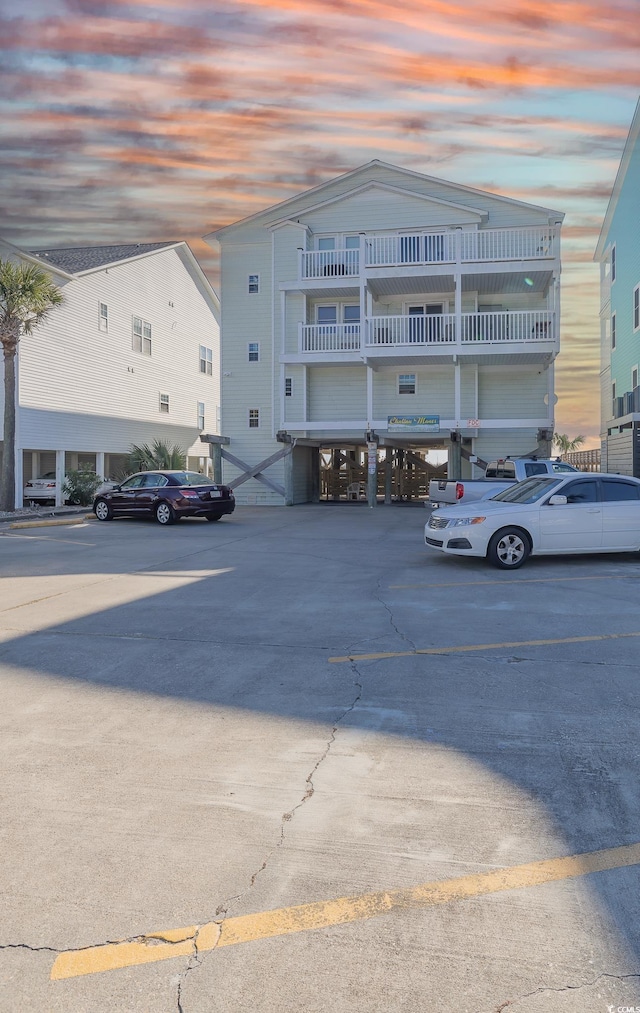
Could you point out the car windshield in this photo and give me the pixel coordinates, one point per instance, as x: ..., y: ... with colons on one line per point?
x: 190, y: 478
x: 529, y: 491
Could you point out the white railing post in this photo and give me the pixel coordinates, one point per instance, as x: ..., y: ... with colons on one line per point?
x: 300, y: 268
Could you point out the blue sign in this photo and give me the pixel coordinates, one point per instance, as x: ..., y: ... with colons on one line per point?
x: 413, y: 423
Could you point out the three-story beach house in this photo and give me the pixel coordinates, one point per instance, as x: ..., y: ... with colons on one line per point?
x: 618, y: 252
x: 130, y: 356
x: 388, y: 308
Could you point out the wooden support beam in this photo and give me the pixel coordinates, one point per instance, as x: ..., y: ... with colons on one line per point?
x: 256, y: 470
x: 206, y: 438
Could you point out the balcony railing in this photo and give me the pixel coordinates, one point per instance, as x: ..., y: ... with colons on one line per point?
x: 330, y: 263
x: 431, y: 248
x: 411, y: 330
x: 431, y: 330
x: 330, y: 337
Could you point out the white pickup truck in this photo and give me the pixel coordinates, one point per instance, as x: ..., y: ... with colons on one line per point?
x: 498, y: 475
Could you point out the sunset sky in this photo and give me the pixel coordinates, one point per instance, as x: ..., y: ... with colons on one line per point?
x: 145, y: 120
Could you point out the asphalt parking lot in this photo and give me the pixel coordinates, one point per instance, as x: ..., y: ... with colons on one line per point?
x: 296, y: 761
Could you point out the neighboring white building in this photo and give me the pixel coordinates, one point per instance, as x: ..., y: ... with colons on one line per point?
x: 131, y: 355
x: 385, y: 293
x: 618, y: 252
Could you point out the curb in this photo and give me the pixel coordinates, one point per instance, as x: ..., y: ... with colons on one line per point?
x: 51, y: 523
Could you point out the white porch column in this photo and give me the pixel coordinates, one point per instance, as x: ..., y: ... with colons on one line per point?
x: 363, y: 290
x: 369, y: 397
x: 305, y: 392
x: 100, y: 464
x: 457, y: 400
x: 283, y: 348
x: 60, y: 469
x: 19, y: 474
x: 457, y: 285
x: 35, y: 464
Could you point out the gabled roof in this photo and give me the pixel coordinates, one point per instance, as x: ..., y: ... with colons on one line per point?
x: 389, y: 188
x: 78, y: 259
x: 33, y: 259
x: 284, y: 207
x: 632, y: 140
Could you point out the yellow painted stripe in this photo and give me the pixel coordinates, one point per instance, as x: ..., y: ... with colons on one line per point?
x: 324, y: 914
x: 462, y: 648
x: 51, y: 523
x: 514, y: 583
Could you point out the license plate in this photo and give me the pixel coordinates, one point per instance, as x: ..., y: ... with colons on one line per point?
x: 215, y: 494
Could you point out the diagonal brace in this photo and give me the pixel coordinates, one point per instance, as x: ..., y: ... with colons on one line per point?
x: 256, y: 470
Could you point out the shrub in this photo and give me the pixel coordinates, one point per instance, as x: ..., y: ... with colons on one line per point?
x: 160, y: 456
x: 80, y: 485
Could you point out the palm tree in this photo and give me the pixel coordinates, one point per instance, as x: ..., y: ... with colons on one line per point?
x: 27, y: 295
x: 565, y: 444
x: 160, y: 456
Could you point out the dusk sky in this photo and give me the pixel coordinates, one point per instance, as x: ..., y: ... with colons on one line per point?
x: 144, y: 120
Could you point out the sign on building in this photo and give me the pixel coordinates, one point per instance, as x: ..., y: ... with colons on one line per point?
x: 413, y: 423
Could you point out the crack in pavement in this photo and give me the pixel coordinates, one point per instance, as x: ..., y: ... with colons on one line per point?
x: 563, y: 988
x: 223, y: 908
x: 389, y: 610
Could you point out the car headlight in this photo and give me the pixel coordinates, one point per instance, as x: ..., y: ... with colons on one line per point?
x: 461, y: 521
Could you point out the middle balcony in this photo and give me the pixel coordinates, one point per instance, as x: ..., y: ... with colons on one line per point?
x: 436, y: 337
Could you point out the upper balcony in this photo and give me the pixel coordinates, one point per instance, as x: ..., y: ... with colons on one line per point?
x: 529, y: 334
x: 429, y: 249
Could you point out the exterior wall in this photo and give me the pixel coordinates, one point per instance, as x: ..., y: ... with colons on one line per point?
x: 620, y: 230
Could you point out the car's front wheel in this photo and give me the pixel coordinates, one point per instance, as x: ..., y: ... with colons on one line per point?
x: 509, y: 549
x: 213, y: 517
x: 103, y: 511
x: 165, y: 513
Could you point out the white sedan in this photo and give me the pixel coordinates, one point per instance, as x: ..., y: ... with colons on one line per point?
x: 583, y: 512
x: 43, y: 490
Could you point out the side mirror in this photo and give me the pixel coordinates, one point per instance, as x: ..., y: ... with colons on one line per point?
x: 557, y: 501
x: 117, y: 488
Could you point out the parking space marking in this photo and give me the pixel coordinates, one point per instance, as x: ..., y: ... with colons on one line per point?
x: 463, y: 648
x: 325, y: 914
x: 515, y: 583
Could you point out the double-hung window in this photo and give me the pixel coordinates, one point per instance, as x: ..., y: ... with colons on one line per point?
x: 141, y: 337
x: 613, y: 263
x: 254, y: 418
x: 407, y: 383
x: 201, y: 415
x: 103, y: 317
x: 254, y: 284
x: 253, y: 349
x: 164, y: 403
x: 613, y: 331
x: 206, y: 360
x: 288, y: 386
x: 636, y: 308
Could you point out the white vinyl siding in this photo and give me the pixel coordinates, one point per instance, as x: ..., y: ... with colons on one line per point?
x: 337, y: 394
x: 512, y: 394
x: 103, y: 396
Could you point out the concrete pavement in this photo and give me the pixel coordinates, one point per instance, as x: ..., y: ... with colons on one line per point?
x: 180, y: 752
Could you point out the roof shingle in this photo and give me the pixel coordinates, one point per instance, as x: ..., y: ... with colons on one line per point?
x: 84, y: 258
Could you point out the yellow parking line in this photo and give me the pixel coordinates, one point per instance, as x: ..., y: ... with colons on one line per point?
x: 462, y: 648
x: 512, y: 583
x: 324, y: 914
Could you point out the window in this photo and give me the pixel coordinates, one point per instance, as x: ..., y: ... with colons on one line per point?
x: 206, y: 360
x: 327, y: 243
x: 582, y: 492
x: 103, y: 317
x: 613, y: 263
x: 351, y: 314
x: 613, y: 491
x: 613, y: 390
x: 254, y: 351
x: 141, y: 340
x: 254, y: 418
x: 634, y: 378
x: 135, y: 482
x: 164, y: 403
x: 407, y: 383
x: 288, y: 386
x: 535, y: 469
x: 636, y: 308
x: 200, y: 415
x: 327, y: 314
x: 501, y: 469
x: 613, y: 331
x: 154, y: 481
x: 254, y: 284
